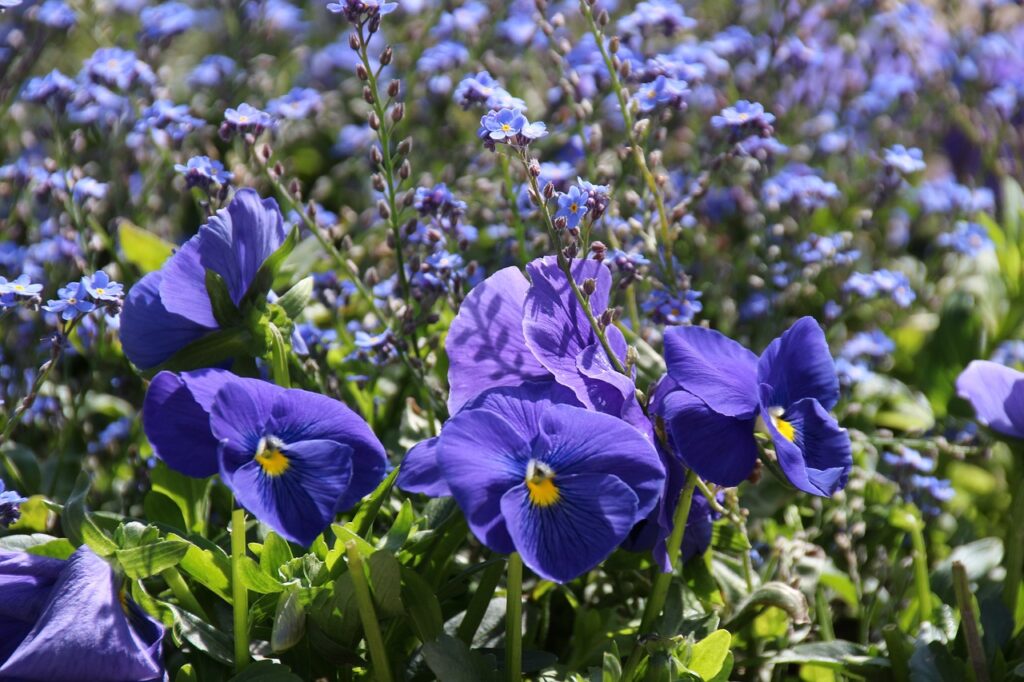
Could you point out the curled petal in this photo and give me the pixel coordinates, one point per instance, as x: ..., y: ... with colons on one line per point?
x: 798, y: 365
x: 714, y: 368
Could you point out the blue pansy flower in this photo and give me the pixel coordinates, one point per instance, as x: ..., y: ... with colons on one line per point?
x: 716, y: 392
x: 168, y: 309
x: 293, y: 458
x: 71, y: 620
x: 536, y: 474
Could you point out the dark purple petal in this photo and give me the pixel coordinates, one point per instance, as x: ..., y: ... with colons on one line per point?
x: 302, y: 415
x: 482, y: 456
x: 819, y: 458
x: 150, y: 334
x: 485, y: 343
x: 577, y: 441
x: 420, y: 472
x: 176, y: 418
x: 26, y: 581
x: 183, y: 285
x: 84, y: 634
x: 556, y: 326
x: 238, y: 239
x: 562, y: 541
x: 714, y: 368
x: 298, y: 503
x: 720, y: 449
x: 997, y: 394
x: 798, y: 365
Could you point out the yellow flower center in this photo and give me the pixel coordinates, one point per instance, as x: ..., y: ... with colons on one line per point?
x: 784, y: 427
x: 574, y: 207
x: 541, y: 484
x: 270, y: 457
x: 505, y: 127
x: 100, y: 290
x: 19, y: 287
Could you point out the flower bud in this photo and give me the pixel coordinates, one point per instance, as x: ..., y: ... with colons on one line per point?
x: 394, y: 87
x: 382, y: 210
x: 368, y: 95
x: 397, y: 112
x: 589, y: 286
x: 385, y: 56
x: 361, y: 73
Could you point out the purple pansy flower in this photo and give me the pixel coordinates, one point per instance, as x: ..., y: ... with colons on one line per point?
x: 68, y: 620
x: 716, y: 392
x: 168, y: 309
x: 997, y: 394
x: 293, y: 458
x: 534, y: 474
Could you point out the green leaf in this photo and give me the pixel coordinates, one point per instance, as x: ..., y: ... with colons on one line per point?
x: 400, y: 529
x: 421, y: 604
x: 143, y: 249
x: 289, y: 622
x: 35, y: 515
x: 189, y: 494
x: 278, y: 359
x: 275, y: 554
x: 203, y: 636
x: 386, y: 583
x: 224, y: 309
x: 147, y: 560
x: 264, y: 279
x: 24, y: 543
x: 209, y: 351
x: 452, y: 661
x: 256, y: 580
x: 77, y: 523
x: 836, y: 655
x: 368, y: 510
x: 186, y: 674
x: 726, y: 538
x: 709, y: 654
x: 771, y: 594
x: 210, y: 568
x: 266, y: 671
x: 59, y: 548
x: 295, y: 300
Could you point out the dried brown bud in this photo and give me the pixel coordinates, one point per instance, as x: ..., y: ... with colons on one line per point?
x: 613, y: 44
x: 410, y: 227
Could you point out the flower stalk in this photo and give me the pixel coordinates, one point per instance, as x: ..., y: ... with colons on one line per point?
x: 239, y: 594
x: 514, y: 618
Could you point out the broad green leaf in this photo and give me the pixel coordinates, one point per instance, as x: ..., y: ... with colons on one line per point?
x: 421, y: 604
x: 256, y: 580
x: 289, y: 622
x: 400, y: 528
x: 266, y: 671
x: 203, y: 636
x: 59, y: 548
x: 189, y: 494
x: 224, y: 309
x: 35, y: 515
x: 209, y: 351
x: 386, y: 583
x: 77, y: 524
x: 275, y: 554
x: 708, y: 655
x: 452, y: 661
x: 147, y: 560
x: 143, y: 249
x: 264, y: 279
x: 208, y: 568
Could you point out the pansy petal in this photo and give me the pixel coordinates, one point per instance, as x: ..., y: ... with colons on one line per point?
x: 238, y: 239
x: 176, y: 418
x: 150, y: 334
x: 592, y: 516
x: 577, y: 441
x: 523, y: 405
x: 183, y: 285
x: 720, y: 449
x: 485, y: 343
x: 714, y: 368
x: 997, y: 394
x: 239, y: 415
x: 303, y: 415
x: 25, y: 582
x: 83, y: 633
x: 299, y: 502
x: 555, y: 325
x: 481, y: 456
x: 609, y: 390
x: 818, y: 458
x: 798, y: 365
x: 420, y: 472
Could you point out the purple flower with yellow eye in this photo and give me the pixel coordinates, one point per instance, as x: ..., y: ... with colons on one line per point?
x: 716, y: 392
x: 71, y: 620
x: 293, y: 458
x: 536, y: 474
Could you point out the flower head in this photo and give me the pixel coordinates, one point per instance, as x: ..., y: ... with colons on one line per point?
x: 10, y: 505
x: 357, y: 11
x: 101, y: 288
x: 73, y: 300
x: 509, y: 126
x: 292, y: 458
x: 22, y: 287
x: 744, y: 115
x: 573, y: 206
x: 246, y: 119
x: 204, y: 172
x: 536, y: 474
x: 716, y: 392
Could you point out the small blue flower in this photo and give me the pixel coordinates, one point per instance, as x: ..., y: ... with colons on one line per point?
x: 743, y: 114
x: 572, y: 206
x: 357, y: 11
x: 246, y: 119
x: 10, y: 503
x: 504, y: 124
x: 298, y: 103
x: 202, y: 172
x: 101, y: 288
x: 73, y: 301
x: 906, y: 161
x: 967, y: 238
x: 22, y: 286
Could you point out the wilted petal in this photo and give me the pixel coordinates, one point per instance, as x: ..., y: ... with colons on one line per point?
x: 485, y: 344
x: 714, y: 368
x: 997, y: 394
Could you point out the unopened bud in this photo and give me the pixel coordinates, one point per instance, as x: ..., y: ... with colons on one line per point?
x: 353, y: 41
x: 372, y: 119
x: 405, y: 169
x: 405, y: 146
x: 375, y: 155
x: 383, y: 210
x: 361, y: 73
x: 397, y: 112
x: 368, y: 95
x: 603, y: 18
x: 549, y: 190
x: 385, y: 56
x: 394, y: 87
x: 589, y: 286
x: 560, y: 222
x: 534, y: 168
x: 266, y: 151
x: 377, y: 180
x: 613, y: 44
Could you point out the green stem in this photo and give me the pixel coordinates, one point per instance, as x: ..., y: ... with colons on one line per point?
x: 824, y: 615
x: 924, y: 590
x: 367, y: 614
x: 1015, y: 534
x: 513, y: 207
x: 239, y: 594
x: 182, y: 592
x: 965, y: 601
x: 514, y: 619
x: 479, y: 602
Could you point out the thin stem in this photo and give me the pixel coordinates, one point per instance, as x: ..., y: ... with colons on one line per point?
x: 1014, y: 535
x: 239, y: 594
x: 513, y: 207
x: 182, y: 592
x: 924, y: 591
x: 367, y: 614
x: 965, y: 602
x: 514, y: 619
